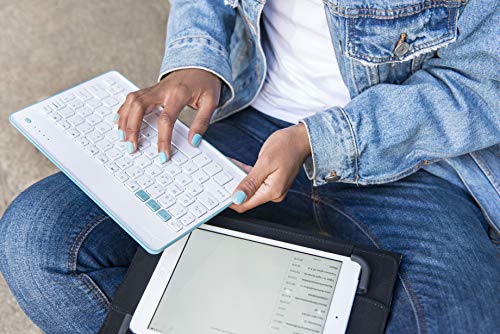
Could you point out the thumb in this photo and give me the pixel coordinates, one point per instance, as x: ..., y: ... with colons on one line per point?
x: 201, y: 121
x: 250, y: 184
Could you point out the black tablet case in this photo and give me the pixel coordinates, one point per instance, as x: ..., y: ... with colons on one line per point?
x: 371, y: 306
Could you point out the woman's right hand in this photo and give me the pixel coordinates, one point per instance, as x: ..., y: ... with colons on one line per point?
x: 196, y: 88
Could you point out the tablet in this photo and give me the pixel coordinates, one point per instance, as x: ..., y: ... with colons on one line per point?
x: 219, y: 281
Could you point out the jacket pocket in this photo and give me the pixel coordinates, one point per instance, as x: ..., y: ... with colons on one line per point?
x: 396, y: 31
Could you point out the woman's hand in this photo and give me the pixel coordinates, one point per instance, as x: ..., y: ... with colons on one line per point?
x: 279, y: 162
x: 196, y: 88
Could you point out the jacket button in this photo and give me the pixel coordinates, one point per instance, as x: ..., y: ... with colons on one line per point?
x: 332, y: 177
x: 401, y: 49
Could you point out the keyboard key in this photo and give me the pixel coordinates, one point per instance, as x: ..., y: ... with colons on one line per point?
x: 76, y: 120
x: 153, y: 171
x: 183, y: 145
x: 109, y: 81
x: 112, y: 167
x: 124, y: 162
x: 109, y: 102
x: 115, y: 89
x: 94, y: 103
x: 66, y: 112
x: 177, y: 210
x: 212, y: 168
x: 207, y: 200
x: 98, y: 91
x: 179, y: 158
x: 73, y: 133
x: 189, y: 167
x: 150, y: 152
x: 183, y: 179
x: 187, y: 219
x: 175, y: 225
x: 85, y: 111
x: 197, y: 209
x: 55, y: 117
x: 185, y: 199
x: 68, y: 97
x: 200, y: 176
x: 153, y: 205
x: 144, y: 181
x: 194, y: 188
x: 57, y: 104
x: 164, y: 215
x: 93, y: 120
x: 102, y: 158
x: 94, y: 136
x: 148, y: 132
x: 114, y: 154
x: 103, y: 127
x: 143, y: 161
x: 142, y: 195
x: 92, y: 149
x: 231, y: 186
x: 222, y: 178
x: 156, y: 190
x: 174, y: 189
x: 166, y: 200
x: 82, y: 141
x: 132, y: 185
x: 76, y: 104
x: 83, y: 94
x: 164, y: 179
x: 217, y: 191
x: 134, y: 172
x: 172, y: 169
x: 64, y: 125
x: 47, y: 109
x: 121, y: 176
x: 104, y: 145
x: 84, y: 128
x: 202, y: 160
x: 102, y: 111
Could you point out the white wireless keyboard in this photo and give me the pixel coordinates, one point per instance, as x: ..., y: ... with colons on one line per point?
x: 155, y: 203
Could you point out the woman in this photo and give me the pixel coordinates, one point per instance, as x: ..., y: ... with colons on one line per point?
x: 392, y: 108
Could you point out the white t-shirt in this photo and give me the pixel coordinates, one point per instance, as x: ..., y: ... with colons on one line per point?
x: 303, y: 76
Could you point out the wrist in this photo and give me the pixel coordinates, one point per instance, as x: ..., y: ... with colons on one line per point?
x: 302, y: 140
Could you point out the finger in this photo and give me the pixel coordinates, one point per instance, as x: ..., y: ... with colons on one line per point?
x: 251, y: 183
x: 166, y: 122
x: 136, y: 112
x: 241, y: 165
x: 201, y: 121
x: 124, y: 111
x: 274, y: 188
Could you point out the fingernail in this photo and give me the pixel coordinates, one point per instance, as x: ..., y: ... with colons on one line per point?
x: 121, y: 135
x: 163, y: 157
x: 130, y: 147
x: 196, y: 140
x: 239, y: 197
x: 116, y: 117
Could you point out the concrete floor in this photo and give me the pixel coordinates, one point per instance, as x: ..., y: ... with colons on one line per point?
x: 47, y: 46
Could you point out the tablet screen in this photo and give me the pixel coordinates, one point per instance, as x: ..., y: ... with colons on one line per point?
x: 224, y: 284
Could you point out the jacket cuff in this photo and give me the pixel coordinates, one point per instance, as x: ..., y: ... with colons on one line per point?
x: 333, y: 146
x: 202, y: 53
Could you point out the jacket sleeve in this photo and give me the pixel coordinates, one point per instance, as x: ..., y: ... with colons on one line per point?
x: 448, y: 108
x: 198, y: 36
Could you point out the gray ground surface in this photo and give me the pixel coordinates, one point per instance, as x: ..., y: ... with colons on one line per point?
x: 47, y: 46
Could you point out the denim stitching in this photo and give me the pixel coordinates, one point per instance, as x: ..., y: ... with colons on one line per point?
x: 354, y: 144
x: 412, y: 296
x: 417, y: 306
x: 486, y: 170
x: 73, y: 257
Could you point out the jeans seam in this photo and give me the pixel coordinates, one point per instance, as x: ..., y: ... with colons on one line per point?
x: 412, y: 296
x: 73, y: 258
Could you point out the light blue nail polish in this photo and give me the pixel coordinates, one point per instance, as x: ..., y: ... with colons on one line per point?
x: 130, y: 147
x: 239, y: 197
x: 116, y: 117
x: 121, y: 135
x: 196, y: 140
x: 163, y: 157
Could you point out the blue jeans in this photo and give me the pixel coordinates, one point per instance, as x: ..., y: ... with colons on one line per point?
x: 64, y: 258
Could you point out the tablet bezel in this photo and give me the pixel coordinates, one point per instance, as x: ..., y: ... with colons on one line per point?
x: 340, y: 307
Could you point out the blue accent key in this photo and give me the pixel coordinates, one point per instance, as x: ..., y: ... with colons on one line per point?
x: 143, y: 196
x: 153, y: 205
x: 164, y: 215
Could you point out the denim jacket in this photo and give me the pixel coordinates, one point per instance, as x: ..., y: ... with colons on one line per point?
x: 423, y: 76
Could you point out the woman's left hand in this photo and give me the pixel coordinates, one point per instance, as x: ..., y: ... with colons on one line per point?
x: 279, y: 162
